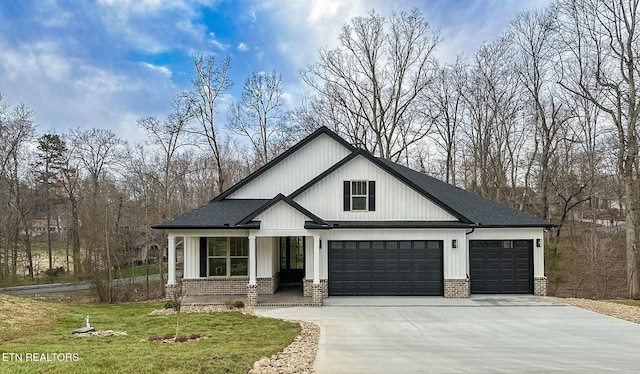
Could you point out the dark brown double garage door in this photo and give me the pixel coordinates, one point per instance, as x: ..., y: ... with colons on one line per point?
x: 501, y: 266
x: 385, y: 268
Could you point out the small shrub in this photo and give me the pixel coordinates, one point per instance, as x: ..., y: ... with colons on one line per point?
x: 194, y: 336
x: 154, y: 338
x: 234, y: 304
x: 182, y: 339
x: 169, y: 304
x: 55, y: 272
x: 168, y: 337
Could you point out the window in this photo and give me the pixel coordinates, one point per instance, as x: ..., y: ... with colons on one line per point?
x: 228, y: 257
x: 292, y: 252
x: 360, y: 196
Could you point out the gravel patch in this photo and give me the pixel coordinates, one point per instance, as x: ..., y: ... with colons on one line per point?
x: 621, y: 311
x: 102, y: 334
x: 201, y: 309
x: 298, y: 357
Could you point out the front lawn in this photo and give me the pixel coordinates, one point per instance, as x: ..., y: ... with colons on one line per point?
x: 230, y: 342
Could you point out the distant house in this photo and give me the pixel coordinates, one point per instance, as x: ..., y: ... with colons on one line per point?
x: 59, y: 223
x: 338, y: 221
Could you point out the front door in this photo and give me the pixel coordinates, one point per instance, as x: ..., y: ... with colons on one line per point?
x: 291, y: 259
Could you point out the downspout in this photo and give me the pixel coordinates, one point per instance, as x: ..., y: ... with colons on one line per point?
x: 466, y: 255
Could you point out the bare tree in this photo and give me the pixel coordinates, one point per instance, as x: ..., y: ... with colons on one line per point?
x: 260, y: 116
x: 16, y: 130
x: 209, y: 84
x: 71, y: 180
x: 444, y: 106
x: 369, y: 86
x: 533, y: 33
x: 599, y: 63
x: 170, y: 135
x: 98, y: 151
x: 493, y: 132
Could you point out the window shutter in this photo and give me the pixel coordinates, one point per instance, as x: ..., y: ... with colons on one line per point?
x: 372, y: 196
x: 347, y: 196
x: 203, y: 257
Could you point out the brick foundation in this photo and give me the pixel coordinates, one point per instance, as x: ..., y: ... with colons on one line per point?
x: 307, y: 288
x: 228, y: 286
x: 456, y: 288
x: 169, y: 291
x: 317, y: 291
x: 540, y: 286
x: 268, y: 286
x: 252, y: 294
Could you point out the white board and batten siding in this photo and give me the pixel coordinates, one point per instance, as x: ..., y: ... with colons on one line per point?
x: 281, y: 219
x: 516, y: 233
x: 294, y: 171
x: 308, y: 258
x: 191, y: 257
x: 394, y: 199
x: 268, y: 253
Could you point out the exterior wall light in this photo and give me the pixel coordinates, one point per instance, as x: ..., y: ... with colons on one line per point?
x: 454, y: 243
x: 538, y: 243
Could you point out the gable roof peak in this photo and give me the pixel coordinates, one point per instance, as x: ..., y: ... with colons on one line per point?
x: 320, y: 131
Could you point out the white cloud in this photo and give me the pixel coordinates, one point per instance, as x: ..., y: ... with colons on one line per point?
x: 243, y: 47
x: 216, y: 43
x: 67, y: 92
x: 41, y: 58
x: 49, y: 14
x: 162, y: 70
x: 252, y: 14
x: 127, y: 7
x: 153, y: 26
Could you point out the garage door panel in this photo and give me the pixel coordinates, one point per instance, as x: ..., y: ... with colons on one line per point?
x: 501, y: 266
x: 386, y: 268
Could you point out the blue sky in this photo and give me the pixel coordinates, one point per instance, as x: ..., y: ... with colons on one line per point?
x: 106, y: 63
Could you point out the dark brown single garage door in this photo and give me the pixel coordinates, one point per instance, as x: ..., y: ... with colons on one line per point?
x: 385, y: 268
x: 501, y: 266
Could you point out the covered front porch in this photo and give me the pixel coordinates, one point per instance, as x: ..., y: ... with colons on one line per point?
x: 258, y: 267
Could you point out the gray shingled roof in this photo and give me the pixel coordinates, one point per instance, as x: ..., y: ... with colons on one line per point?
x: 215, y: 214
x: 471, y: 209
x: 477, y: 209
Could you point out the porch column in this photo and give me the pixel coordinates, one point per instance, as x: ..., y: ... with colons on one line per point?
x: 252, y: 287
x: 171, y: 246
x: 252, y: 260
x: 316, y: 297
x: 316, y: 259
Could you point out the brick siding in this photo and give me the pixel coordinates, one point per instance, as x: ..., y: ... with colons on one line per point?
x: 540, y: 286
x: 456, y: 288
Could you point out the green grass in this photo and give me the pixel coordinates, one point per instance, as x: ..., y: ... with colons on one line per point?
x: 231, y: 341
x: 59, y: 247
x: 140, y: 271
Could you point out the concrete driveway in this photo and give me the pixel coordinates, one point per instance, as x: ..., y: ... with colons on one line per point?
x: 483, y: 334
